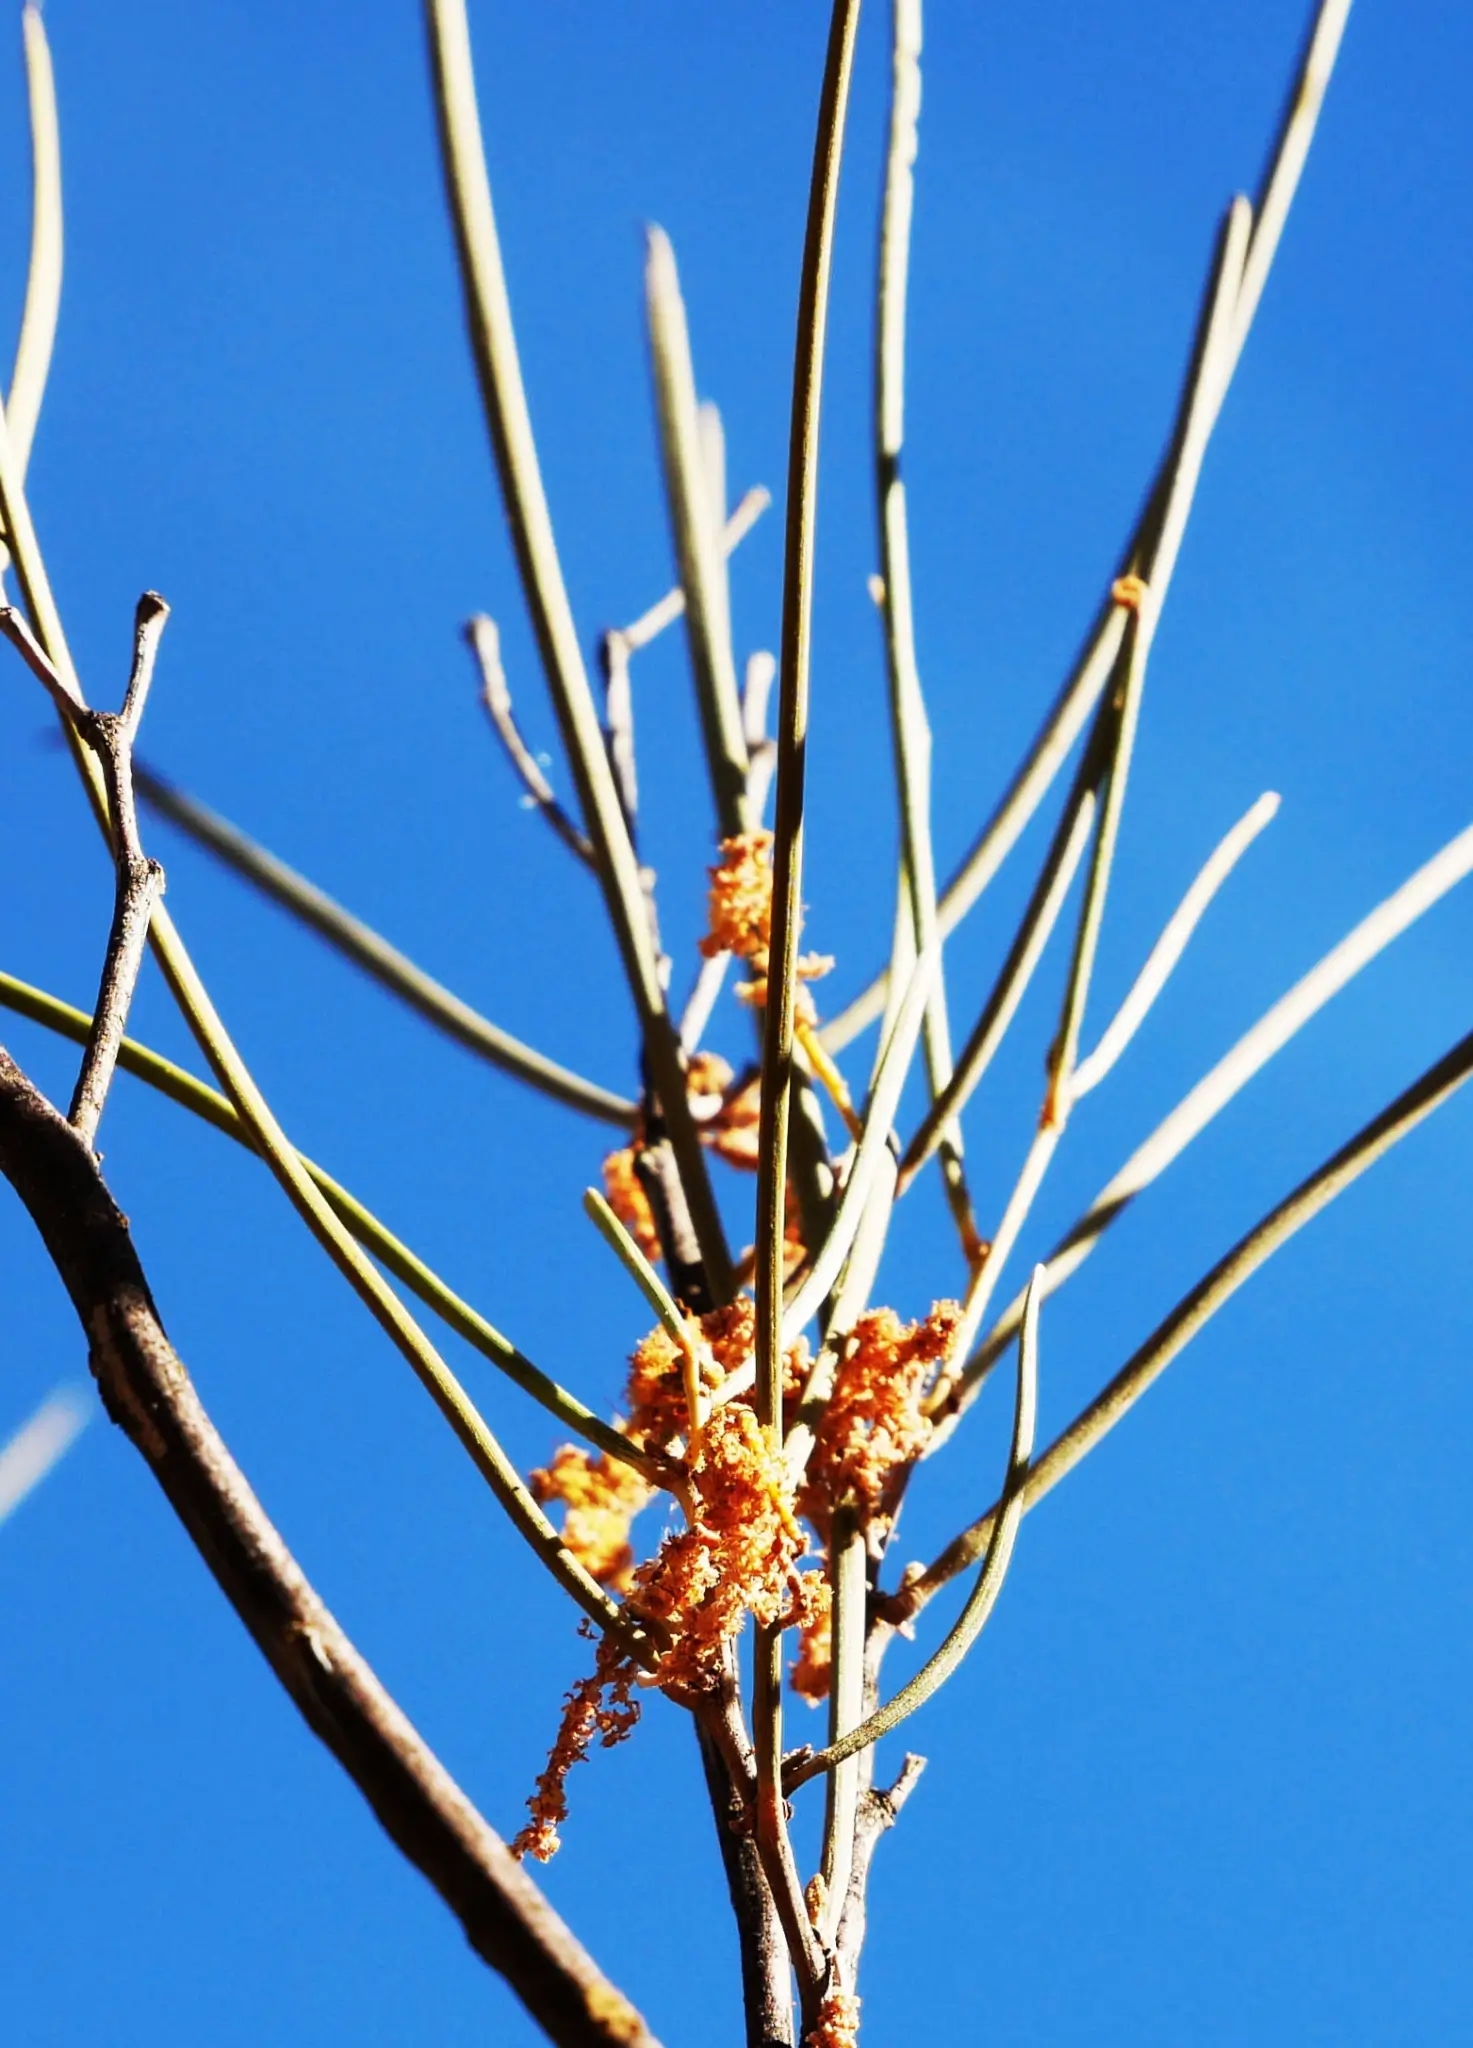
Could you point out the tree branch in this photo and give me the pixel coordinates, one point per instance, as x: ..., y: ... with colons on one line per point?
x: 148, y: 1393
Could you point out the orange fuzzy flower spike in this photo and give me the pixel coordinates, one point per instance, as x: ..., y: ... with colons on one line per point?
x: 740, y: 907
x: 738, y: 1556
x: 600, y: 1705
x: 837, y: 2025
x: 874, y: 1424
x: 602, y: 1497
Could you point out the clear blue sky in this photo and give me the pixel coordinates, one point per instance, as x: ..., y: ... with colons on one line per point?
x: 1206, y: 1777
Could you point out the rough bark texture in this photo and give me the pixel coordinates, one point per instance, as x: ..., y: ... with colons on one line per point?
x: 148, y: 1393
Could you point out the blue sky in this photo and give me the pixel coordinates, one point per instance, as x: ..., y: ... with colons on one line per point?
x: 1205, y: 1777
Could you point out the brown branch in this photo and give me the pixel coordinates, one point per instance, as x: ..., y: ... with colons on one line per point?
x: 148, y: 1393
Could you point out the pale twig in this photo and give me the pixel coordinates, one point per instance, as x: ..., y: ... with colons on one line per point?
x: 1002, y: 1535
x: 1170, y: 1337
x: 43, y: 277
x: 1162, y: 959
x: 910, y: 728
x: 761, y: 672
x: 619, y: 724
x: 782, y: 984
x: 380, y: 959
x: 148, y: 1392
x: 748, y: 509
x: 1092, y: 671
x: 1217, y: 1088
x: 39, y: 1445
x: 504, y: 398
x: 139, y: 881
x: 695, y: 525
x: 484, y: 642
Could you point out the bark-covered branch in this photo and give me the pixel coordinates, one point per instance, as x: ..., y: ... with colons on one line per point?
x: 149, y: 1394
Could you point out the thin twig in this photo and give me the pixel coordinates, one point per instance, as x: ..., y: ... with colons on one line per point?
x: 748, y: 509
x: 1109, y: 1407
x: 484, y: 642
x: 974, y: 1617
x: 1205, y: 381
x: 505, y: 402
x: 148, y: 1393
x: 367, y: 949
x: 619, y: 724
x: 140, y: 881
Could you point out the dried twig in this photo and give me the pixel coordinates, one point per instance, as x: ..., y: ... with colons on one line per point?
x: 485, y: 643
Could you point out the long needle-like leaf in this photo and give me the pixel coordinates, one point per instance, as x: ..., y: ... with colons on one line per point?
x: 1217, y: 1088
x: 504, y: 397
x: 1094, y: 1423
x: 368, y: 949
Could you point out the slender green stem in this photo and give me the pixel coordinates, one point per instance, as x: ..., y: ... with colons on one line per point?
x: 1216, y: 1089
x: 676, y: 1325
x: 375, y: 1237
x: 1032, y: 936
x: 696, y: 527
x: 1001, y: 1537
x: 1095, y: 665
x: 1205, y: 380
x: 367, y: 949
x: 505, y: 400
x: 43, y: 277
x: 1170, y: 1337
x: 849, y: 1580
x: 792, y: 737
